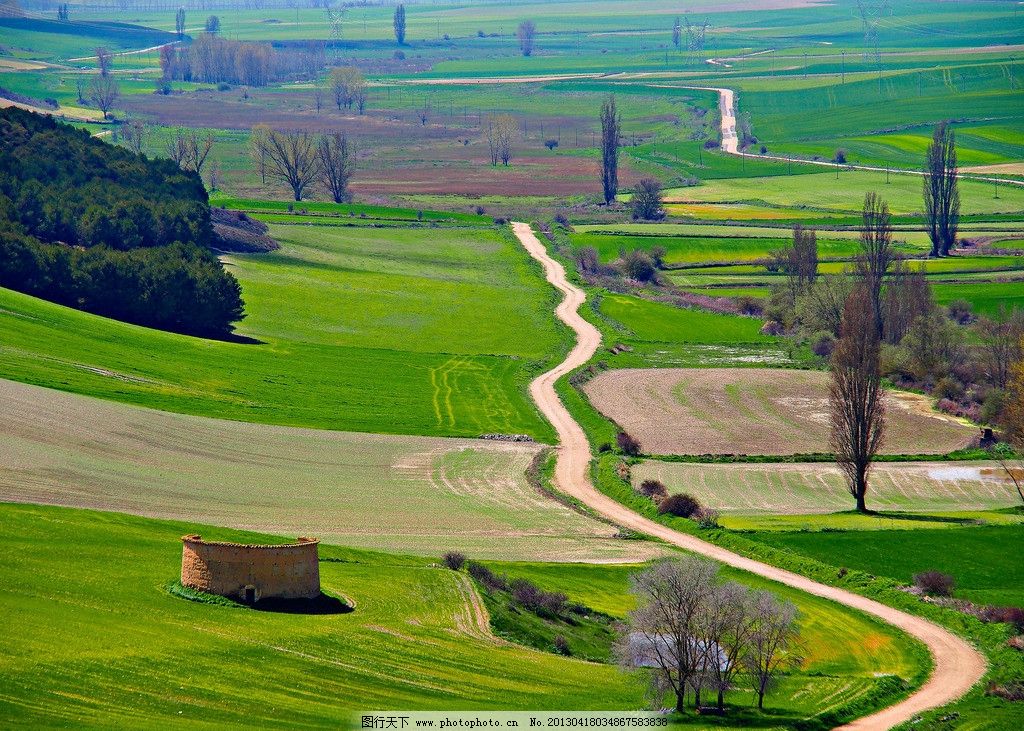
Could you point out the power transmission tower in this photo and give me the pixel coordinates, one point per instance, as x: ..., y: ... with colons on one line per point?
x: 695, y: 36
x: 335, y: 18
x: 870, y: 15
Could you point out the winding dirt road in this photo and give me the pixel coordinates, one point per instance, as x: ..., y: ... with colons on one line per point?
x: 957, y: 665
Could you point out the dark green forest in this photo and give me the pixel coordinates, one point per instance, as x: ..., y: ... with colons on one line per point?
x: 97, y: 227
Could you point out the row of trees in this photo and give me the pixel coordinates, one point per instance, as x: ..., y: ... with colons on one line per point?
x: 181, y: 287
x: 889, y: 326
x: 700, y: 634
x: 302, y: 160
x: 213, y: 59
x: 348, y: 88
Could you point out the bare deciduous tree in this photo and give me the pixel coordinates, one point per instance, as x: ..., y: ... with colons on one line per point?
x: 695, y: 632
x: 587, y: 259
x: 347, y: 84
x: 104, y: 92
x: 1002, y: 342
x: 941, y: 195
x: 292, y: 158
x: 190, y: 150
x: 726, y: 635
x: 215, y: 175
x: 1012, y: 420
x: 663, y: 631
x: 772, y: 641
x: 258, y: 149
x: 525, y: 33
x: 104, y: 60
x: 876, y: 252
x: 501, y: 130
x: 856, y: 396
x: 133, y: 134
x: 336, y: 165
x: 821, y: 307
x: 611, y: 127
x: 314, y: 58
x: 798, y: 261
x: 908, y: 296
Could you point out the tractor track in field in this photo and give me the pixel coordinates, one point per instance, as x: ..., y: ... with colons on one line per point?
x: 957, y: 666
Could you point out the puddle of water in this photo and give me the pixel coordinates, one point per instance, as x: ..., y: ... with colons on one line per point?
x: 956, y: 473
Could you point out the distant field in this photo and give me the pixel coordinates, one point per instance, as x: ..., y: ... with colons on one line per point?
x: 802, y: 489
x: 753, y: 411
x: 700, y: 250
x: 93, y: 638
x: 397, y: 330
x: 409, y: 494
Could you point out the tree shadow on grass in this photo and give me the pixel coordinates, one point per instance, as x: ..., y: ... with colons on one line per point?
x: 239, y: 339
x: 924, y: 518
x: 899, y: 515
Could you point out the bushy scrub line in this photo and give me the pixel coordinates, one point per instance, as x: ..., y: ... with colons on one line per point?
x: 961, y: 455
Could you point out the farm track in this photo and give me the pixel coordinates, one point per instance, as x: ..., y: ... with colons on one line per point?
x: 957, y: 665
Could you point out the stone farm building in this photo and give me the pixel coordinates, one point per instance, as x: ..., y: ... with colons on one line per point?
x: 251, y: 572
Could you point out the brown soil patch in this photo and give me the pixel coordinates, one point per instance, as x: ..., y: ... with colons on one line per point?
x: 753, y: 411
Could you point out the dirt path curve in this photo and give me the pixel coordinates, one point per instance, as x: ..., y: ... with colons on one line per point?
x: 957, y: 665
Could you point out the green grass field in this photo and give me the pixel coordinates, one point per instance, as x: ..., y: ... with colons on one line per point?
x: 658, y: 322
x: 979, y: 558
x: 95, y: 637
x: 374, y: 320
x: 395, y: 330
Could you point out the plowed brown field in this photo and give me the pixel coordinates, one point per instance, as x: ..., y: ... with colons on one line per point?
x: 753, y: 411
